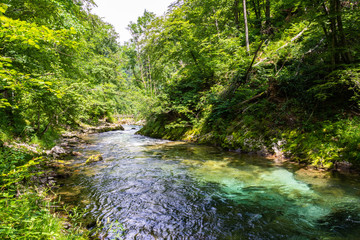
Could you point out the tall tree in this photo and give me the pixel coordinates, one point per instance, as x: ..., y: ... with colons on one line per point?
x: 257, y: 9
x: 267, y: 14
x: 335, y: 34
x: 246, y: 27
x: 346, y: 56
x: 58, y: 65
x: 236, y: 14
x: 139, y: 31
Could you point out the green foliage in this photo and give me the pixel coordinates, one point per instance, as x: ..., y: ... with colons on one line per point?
x: 29, y: 216
x: 300, y: 76
x: 15, y: 166
x: 22, y: 218
x: 26, y: 214
x: 57, y: 67
x: 327, y: 143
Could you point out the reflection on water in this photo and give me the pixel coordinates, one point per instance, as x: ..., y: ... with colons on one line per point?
x: 158, y: 189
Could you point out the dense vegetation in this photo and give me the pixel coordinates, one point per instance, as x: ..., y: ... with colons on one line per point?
x: 257, y: 76
x: 60, y: 65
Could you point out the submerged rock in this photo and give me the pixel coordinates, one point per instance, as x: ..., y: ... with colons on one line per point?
x: 94, y: 158
x: 104, y: 128
x: 74, y: 153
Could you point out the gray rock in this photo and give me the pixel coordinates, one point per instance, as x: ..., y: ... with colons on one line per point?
x: 58, y: 151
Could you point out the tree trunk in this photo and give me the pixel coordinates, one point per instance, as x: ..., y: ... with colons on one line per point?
x: 142, y: 73
x: 257, y: 11
x: 346, y: 57
x: 267, y: 14
x: 196, y: 62
x: 236, y: 14
x: 45, y: 129
x: 216, y: 23
x: 334, y: 42
x: 150, y: 79
x: 246, y: 27
x: 38, y: 121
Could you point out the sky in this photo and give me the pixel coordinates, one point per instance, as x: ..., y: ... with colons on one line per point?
x: 119, y: 13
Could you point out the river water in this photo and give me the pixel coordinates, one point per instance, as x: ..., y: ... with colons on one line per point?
x: 155, y: 189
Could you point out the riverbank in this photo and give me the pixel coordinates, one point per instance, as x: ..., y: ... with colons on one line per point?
x: 152, y: 188
x: 29, y: 208
x: 322, y: 145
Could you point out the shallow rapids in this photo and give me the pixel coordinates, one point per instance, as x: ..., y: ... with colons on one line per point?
x: 154, y: 189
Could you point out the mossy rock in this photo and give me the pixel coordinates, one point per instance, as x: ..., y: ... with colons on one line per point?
x: 109, y: 128
x: 94, y: 158
x: 328, y: 165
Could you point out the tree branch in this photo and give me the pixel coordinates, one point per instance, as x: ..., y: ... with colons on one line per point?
x: 283, y: 46
x: 239, y: 80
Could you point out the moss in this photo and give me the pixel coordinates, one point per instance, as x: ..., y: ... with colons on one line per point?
x: 94, y: 158
x: 321, y: 144
x: 328, y: 165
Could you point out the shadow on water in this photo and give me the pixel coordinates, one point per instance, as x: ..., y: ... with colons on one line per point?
x: 159, y: 189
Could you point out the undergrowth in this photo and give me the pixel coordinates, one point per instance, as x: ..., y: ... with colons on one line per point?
x: 30, y: 216
x: 26, y: 211
x: 263, y: 129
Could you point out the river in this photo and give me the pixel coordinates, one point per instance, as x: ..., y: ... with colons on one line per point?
x: 156, y: 189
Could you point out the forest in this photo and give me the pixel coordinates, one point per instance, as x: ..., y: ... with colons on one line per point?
x: 278, y: 78
x: 255, y: 76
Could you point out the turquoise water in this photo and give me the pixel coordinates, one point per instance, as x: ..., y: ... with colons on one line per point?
x: 154, y: 189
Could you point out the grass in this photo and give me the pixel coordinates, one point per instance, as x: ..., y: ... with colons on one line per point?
x: 29, y: 216
x: 26, y: 211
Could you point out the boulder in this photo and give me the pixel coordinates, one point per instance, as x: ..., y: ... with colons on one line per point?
x: 94, y: 158
x: 58, y: 151
x: 74, y: 153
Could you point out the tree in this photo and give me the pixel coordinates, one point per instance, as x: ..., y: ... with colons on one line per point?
x: 58, y: 66
x: 246, y: 27
x: 199, y: 46
x: 335, y: 35
x: 139, y: 31
x: 267, y: 14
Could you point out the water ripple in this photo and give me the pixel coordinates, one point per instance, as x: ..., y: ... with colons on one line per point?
x: 158, y: 189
